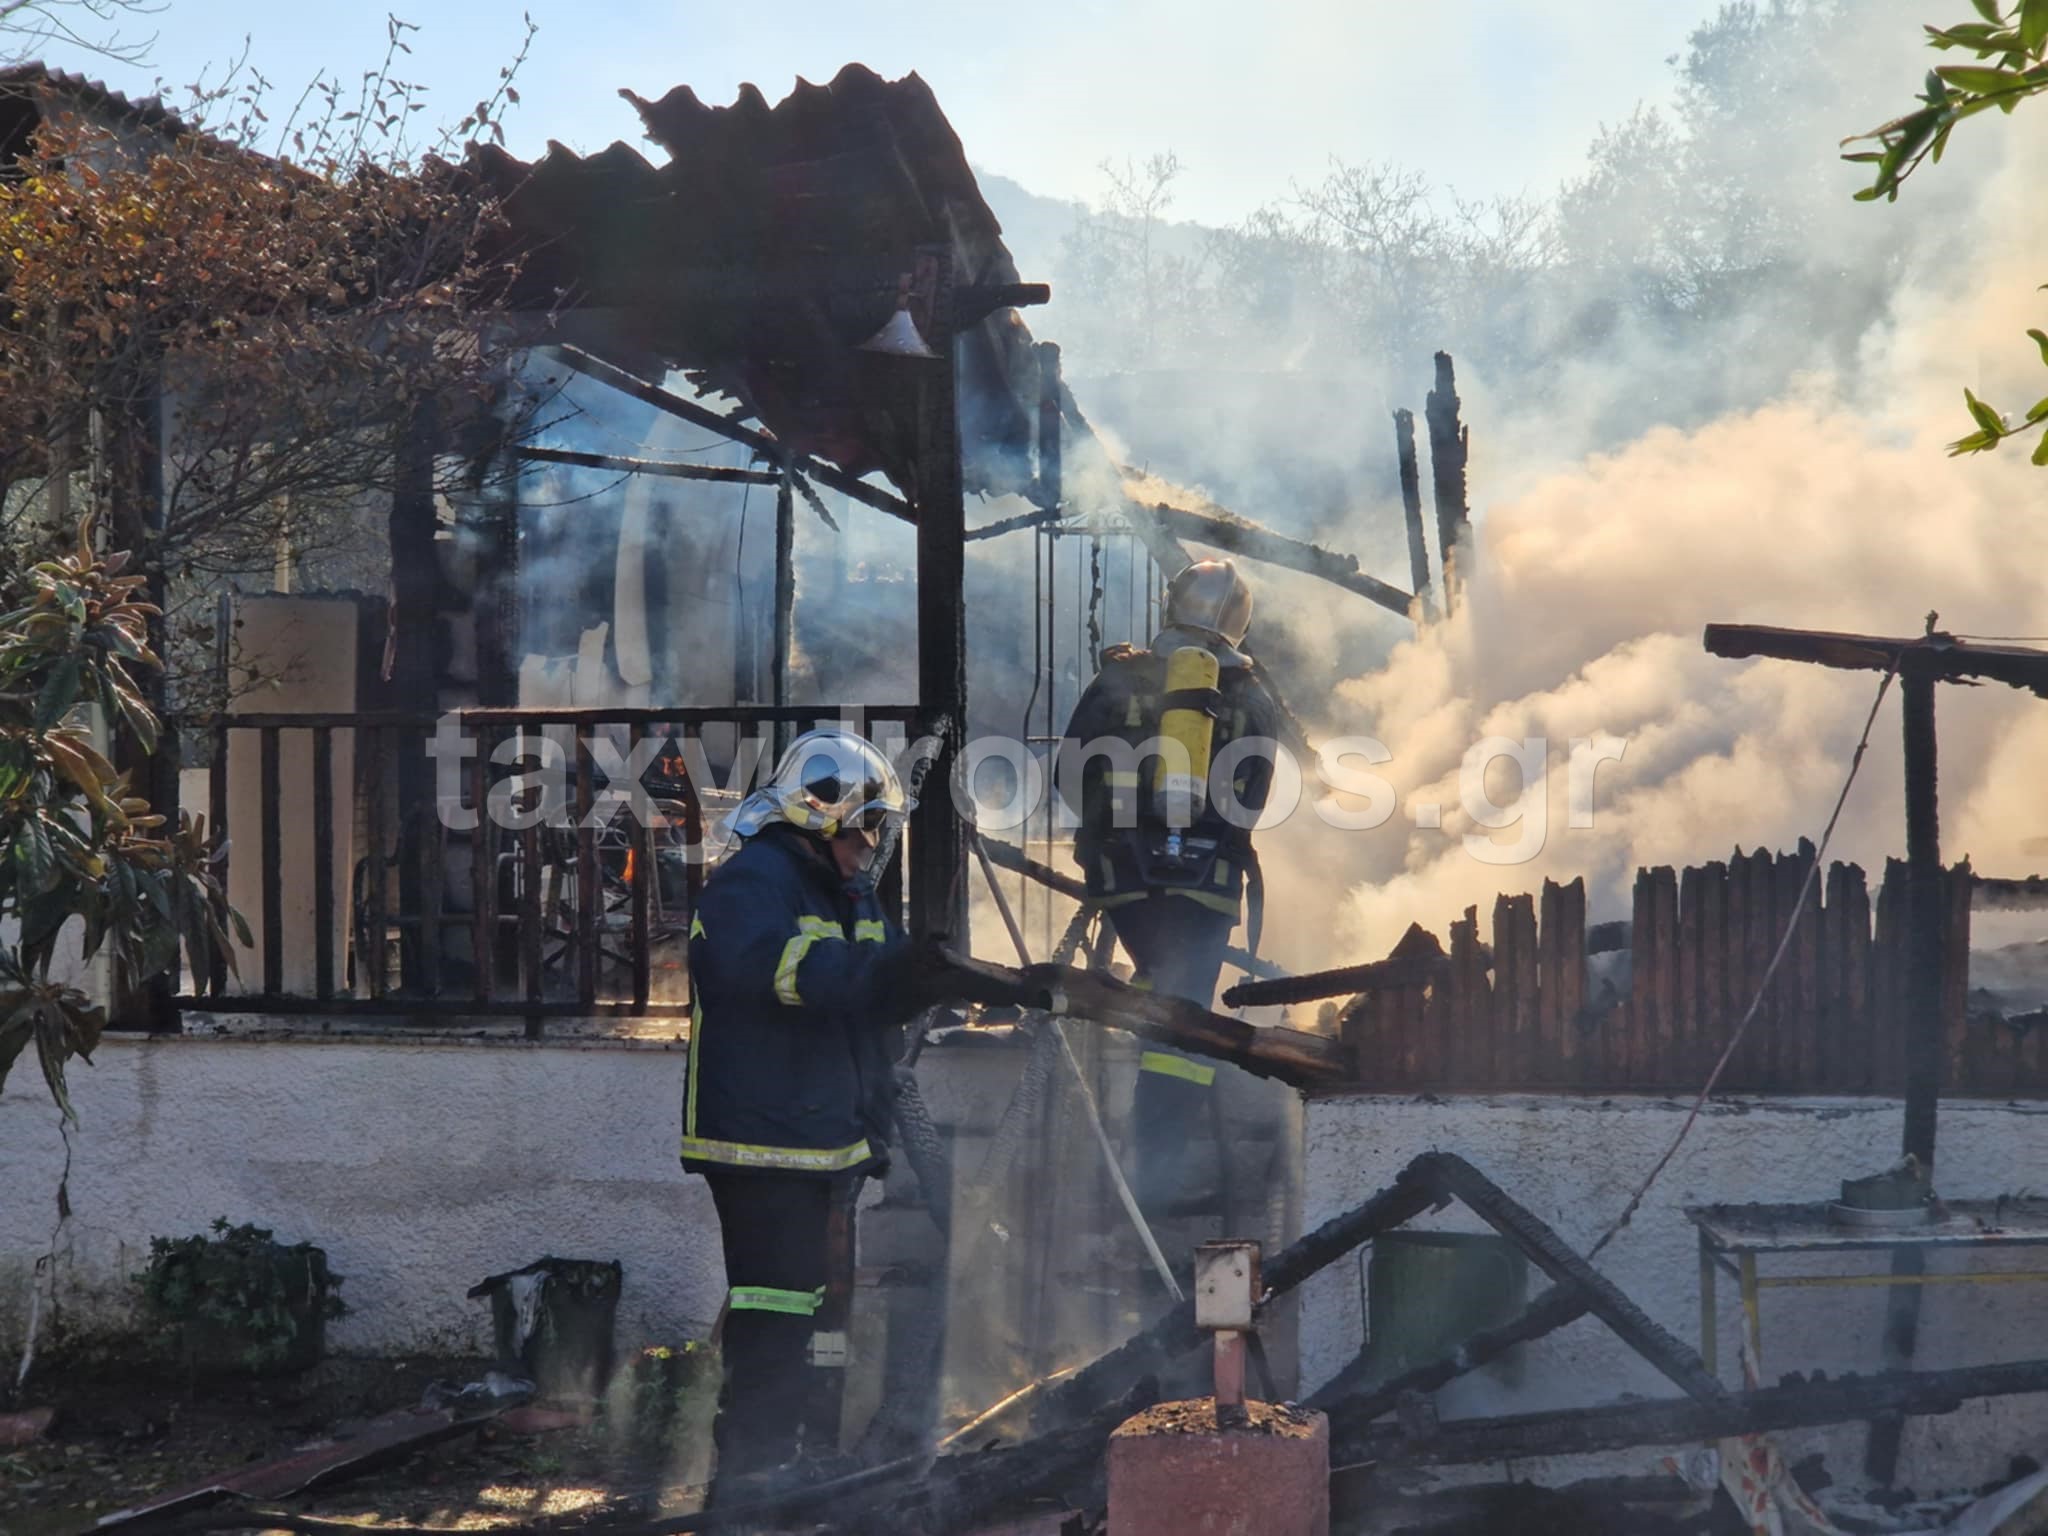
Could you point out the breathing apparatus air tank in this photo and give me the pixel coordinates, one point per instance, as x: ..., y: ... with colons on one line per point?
x: 1180, y: 784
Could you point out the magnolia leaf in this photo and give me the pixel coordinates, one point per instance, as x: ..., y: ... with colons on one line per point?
x: 1991, y: 11
x: 1976, y: 442
x: 2033, y: 25
x: 2041, y: 450
x: 1980, y: 79
x: 1984, y: 415
x: 59, y: 692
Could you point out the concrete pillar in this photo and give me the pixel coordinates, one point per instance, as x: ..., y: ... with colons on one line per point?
x: 1174, y: 1472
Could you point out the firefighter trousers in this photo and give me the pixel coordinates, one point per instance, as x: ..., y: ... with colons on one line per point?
x: 788, y: 1243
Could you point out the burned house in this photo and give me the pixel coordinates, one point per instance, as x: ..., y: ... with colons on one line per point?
x: 760, y: 383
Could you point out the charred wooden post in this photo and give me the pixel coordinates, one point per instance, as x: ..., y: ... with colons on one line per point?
x: 1411, y: 507
x: 1051, y: 462
x: 664, y: 468
x: 1449, y: 446
x: 938, y: 852
x: 1224, y: 530
x: 1678, y: 1421
x: 1926, y: 922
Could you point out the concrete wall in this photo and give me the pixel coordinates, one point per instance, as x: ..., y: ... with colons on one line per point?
x: 1575, y: 1162
x: 421, y: 1167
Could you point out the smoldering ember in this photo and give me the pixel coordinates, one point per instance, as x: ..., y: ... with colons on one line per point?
x: 1354, y: 846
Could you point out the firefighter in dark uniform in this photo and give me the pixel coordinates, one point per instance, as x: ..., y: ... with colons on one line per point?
x: 795, y: 972
x: 1169, y: 871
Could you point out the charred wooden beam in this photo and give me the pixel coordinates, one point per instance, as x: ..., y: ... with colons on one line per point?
x: 1450, y: 445
x: 1291, y: 1056
x: 1936, y: 655
x: 1344, y: 981
x: 769, y: 447
x: 1351, y: 1409
x: 667, y: 468
x: 1411, y: 505
x: 1412, y: 1192
x: 1225, y: 530
x: 1556, y: 1258
x: 1995, y: 895
x: 1678, y: 1421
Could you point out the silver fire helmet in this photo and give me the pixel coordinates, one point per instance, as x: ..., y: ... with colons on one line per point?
x: 827, y: 780
x: 1210, y: 595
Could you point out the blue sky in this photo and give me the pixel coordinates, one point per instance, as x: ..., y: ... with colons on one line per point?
x: 1489, y: 96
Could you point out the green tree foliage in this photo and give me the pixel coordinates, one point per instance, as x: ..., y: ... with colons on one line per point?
x: 74, y: 844
x: 2010, y: 43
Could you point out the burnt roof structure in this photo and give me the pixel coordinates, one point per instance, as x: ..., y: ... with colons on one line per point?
x: 772, y: 242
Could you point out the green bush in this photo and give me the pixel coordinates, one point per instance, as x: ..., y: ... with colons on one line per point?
x: 239, y: 1301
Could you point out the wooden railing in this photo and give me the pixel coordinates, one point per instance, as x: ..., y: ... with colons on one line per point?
x: 382, y: 881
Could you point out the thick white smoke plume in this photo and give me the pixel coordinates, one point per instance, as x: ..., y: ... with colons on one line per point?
x: 1832, y: 506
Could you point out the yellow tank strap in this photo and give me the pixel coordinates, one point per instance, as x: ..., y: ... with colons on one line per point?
x: 1169, y: 1065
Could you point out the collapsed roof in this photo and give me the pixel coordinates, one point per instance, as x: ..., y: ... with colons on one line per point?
x: 769, y: 246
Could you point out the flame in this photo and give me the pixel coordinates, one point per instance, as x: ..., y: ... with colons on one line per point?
x: 627, y: 876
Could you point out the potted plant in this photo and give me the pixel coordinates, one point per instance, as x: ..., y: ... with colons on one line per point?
x: 240, y: 1303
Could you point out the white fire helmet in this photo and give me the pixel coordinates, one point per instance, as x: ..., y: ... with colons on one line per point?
x: 826, y: 780
x: 1210, y: 596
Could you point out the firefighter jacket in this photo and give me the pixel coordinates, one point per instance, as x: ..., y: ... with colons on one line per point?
x: 793, y: 979
x: 1122, y: 842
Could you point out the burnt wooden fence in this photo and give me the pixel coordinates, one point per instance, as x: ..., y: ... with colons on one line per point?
x: 1522, y: 1007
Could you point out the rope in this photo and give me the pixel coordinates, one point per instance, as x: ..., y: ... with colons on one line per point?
x: 1784, y: 943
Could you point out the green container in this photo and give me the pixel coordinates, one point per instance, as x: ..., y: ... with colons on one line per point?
x: 1428, y: 1292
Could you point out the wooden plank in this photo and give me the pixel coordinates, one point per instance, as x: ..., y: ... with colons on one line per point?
x: 1805, y: 956
x: 483, y: 875
x: 1472, y: 1004
x: 323, y: 863
x: 1549, y: 1042
x: 1685, y: 1033
x: 1712, y: 1018
x: 1494, y: 1059
x: 1856, y: 1034
x: 370, y: 966
x: 530, y: 953
x: 1759, y: 935
x: 1827, y: 981
x: 1887, y: 978
x: 1661, y: 1065
x: 1571, y: 972
x: 1996, y: 1063
x: 1522, y: 920
x: 269, y: 853
x: 1632, y: 1045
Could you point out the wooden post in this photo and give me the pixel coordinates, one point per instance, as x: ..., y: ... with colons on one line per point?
x: 1926, y: 913
x: 415, y: 583
x: 1926, y: 923
x: 1411, y: 505
x: 1449, y: 446
x: 938, y: 887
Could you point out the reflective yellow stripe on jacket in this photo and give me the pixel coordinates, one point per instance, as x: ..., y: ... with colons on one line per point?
x: 808, y: 931
x: 739, y: 1154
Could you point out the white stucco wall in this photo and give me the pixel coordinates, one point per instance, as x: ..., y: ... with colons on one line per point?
x: 421, y: 1167
x: 1575, y: 1162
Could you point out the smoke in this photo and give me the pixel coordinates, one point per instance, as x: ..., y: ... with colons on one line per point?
x: 1831, y: 505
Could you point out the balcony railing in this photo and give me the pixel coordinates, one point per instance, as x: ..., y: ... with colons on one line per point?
x: 485, y: 863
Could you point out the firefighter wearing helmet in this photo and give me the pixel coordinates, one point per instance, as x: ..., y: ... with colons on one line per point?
x: 1167, y: 760
x: 795, y: 972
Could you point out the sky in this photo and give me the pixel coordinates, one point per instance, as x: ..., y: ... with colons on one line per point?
x: 1491, y: 97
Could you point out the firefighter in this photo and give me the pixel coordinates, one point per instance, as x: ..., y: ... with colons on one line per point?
x: 1164, y: 849
x: 795, y: 971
